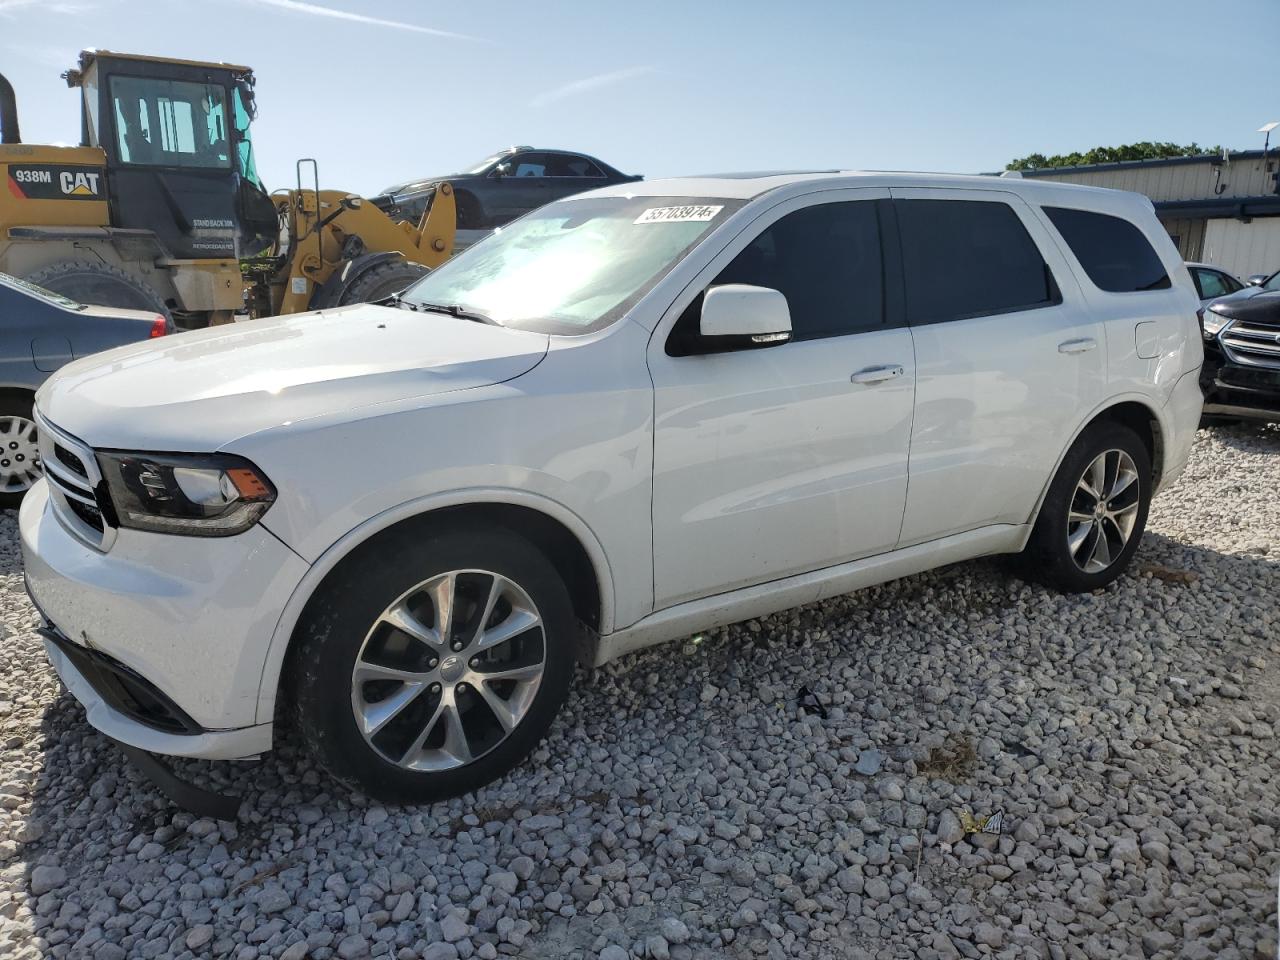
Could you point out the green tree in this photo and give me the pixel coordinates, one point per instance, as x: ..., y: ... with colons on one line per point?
x: 1130, y: 151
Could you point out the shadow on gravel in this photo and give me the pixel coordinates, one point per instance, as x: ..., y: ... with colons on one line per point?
x: 1246, y: 435
x: 11, y: 558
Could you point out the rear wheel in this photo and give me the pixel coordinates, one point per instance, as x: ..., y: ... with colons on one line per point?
x: 1094, y: 515
x: 19, y: 454
x: 99, y: 284
x: 382, y: 281
x: 435, y: 664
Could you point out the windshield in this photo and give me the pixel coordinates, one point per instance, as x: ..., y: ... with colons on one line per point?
x: 487, y: 162
x: 573, y: 266
x: 32, y: 290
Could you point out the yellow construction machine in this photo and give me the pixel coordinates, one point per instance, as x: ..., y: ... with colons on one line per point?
x: 161, y: 207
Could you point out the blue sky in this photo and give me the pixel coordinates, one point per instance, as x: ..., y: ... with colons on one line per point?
x: 383, y: 92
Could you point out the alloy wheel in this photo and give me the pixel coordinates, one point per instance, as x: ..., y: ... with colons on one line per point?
x: 1104, y: 510
x: 19, y: 454
x: 448, y: 670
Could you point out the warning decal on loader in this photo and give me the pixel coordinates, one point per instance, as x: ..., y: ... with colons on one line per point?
x: 55, y: 181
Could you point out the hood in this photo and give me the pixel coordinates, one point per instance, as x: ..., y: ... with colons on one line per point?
x: 199, y: 391
x: 1260, y: 305
x: 417, y: 186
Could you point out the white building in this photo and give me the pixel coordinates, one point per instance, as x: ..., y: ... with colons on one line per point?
x: 1219, y: 210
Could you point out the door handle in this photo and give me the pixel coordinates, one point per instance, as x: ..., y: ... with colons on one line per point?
x: 878, y: 374
x: 1083, y: 345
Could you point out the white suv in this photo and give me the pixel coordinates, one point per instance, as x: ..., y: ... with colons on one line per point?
x: 631, y: 415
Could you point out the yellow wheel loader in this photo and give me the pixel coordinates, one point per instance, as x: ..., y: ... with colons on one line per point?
x: 160, y: 207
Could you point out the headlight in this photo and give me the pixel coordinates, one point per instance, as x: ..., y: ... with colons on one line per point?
x: 1213, y: 323
x: 199, y: 495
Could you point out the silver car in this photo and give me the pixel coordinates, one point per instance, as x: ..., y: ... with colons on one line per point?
x: 39, y: 332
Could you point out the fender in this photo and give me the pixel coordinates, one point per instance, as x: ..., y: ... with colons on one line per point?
x: 1080, y: 427
x: 330, y: 293
x: 269, y: 683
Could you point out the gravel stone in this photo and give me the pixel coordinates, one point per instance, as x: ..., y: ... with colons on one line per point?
x: 1127, y: 736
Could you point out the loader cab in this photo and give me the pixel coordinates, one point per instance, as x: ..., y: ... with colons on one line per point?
x: 179, y: 158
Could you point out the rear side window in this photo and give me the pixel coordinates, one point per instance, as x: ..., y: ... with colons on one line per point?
x: 1114, y: 253
x: 969, y: 258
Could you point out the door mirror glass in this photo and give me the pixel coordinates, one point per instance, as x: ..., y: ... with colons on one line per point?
x: 755, y: 316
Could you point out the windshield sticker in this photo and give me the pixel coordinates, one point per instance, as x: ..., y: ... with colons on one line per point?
x: 698, y: 213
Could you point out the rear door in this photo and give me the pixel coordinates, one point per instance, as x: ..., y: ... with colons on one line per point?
x: 773, y: 461
x: 1007, y: 355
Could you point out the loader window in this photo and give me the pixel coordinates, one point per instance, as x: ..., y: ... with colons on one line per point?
x: 244, y: 146
x: 170, y: 123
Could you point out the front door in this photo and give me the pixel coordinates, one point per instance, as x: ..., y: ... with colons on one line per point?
x: 773, y: 461
x: 1008, y: 356
x: 524, y: 186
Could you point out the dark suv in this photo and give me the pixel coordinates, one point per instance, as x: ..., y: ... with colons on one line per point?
x: 1241, y: 373
x: 504, y: 186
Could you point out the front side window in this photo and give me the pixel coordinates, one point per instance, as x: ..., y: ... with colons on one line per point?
x: 575, y: 265
x: 529, y: 165
x: 826, y: 261
x: 1114, y: 252
x: 1272, y: 283
x: 170, y: 122
x: 969, y: 258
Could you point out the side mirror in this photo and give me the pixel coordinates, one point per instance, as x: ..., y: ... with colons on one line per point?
x: 755, y: 316
x: 1256, y: 279
x: 501, y: 170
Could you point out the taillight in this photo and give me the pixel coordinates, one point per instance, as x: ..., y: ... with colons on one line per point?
x: 159, y: 327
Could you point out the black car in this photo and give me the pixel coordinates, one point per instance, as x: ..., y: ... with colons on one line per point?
x: 1241, y: 373
x: 504, y: 186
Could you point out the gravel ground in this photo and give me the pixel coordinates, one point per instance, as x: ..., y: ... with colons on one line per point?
x: 688, y: 805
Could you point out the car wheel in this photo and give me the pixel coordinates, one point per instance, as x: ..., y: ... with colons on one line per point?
x: 19, y: 453
x: 1095, y: 512
x: 433, y: 664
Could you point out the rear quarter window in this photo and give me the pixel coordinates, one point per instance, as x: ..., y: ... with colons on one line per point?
x: 1114, y: 253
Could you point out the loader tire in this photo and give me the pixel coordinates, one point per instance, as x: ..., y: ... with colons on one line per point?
x: 382, y: 280
x: 99, y: 284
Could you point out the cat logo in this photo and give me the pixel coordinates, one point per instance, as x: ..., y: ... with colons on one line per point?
x: 55, y: 181
x: 78, y: 184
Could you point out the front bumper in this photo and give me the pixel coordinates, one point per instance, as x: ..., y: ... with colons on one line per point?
x: 1236, y: 390
x: 192, y: 618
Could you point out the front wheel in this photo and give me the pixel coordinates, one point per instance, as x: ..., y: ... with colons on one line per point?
x: 19, y: 449
x: 1095, y: 512
x: 435, y: 664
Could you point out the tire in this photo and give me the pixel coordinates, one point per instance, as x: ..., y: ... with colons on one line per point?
x: 1064, y: 550
x: 99, y: 284
x: 413, y: 751
x: 19, y: 456
x: 383, y: 280
x: 467, y: 212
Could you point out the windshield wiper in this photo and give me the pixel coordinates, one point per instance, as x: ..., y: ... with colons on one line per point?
x: 396, y: 300
x: 455, y: 310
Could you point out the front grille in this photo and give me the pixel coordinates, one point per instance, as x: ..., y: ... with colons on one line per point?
x: 75, y: 485
x: 1252, y: 343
